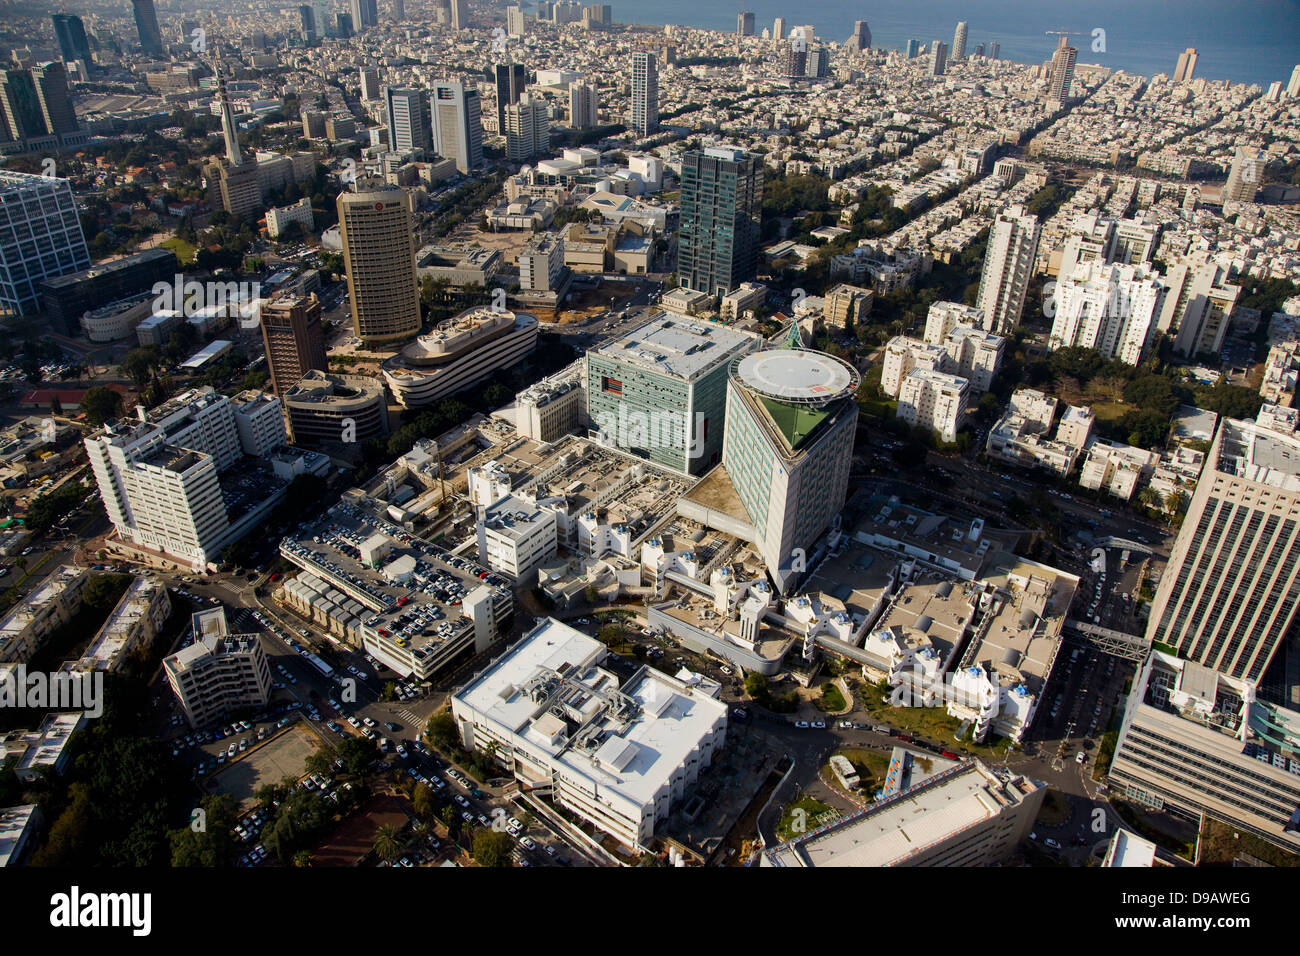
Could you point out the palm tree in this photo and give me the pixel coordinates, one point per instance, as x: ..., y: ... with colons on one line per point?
x: 388, y: 844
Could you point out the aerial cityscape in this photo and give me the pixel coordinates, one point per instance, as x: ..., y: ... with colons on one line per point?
x: 459, y: 434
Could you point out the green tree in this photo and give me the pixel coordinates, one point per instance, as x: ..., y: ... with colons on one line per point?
x: 322, y: 760
x: 442, y: 731
x: 212, y: 845
x: 103, y: 591
x: 492, y: 848
x: 424, y: 803
x: 100, y: 405
x: 388, y: 843
x: 138, y: 366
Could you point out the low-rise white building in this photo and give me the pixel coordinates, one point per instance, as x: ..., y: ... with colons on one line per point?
x: 35, y: 617
x: 19, y: 828
x: 43, y: 749
x: 746, y: 296
x: 515, y: 536
x: 133, y: 623
x: 1117, y: 468
x: 619, y: 755
x: 965, y: 814
x: 277, y: 220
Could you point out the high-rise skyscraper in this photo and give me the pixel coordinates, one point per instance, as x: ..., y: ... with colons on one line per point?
x: 793, y: 61
x: 673, y: 370
x: 1245, y: 175
x: 71, y: 34
x: 1199, y: 298
x: 321, y: 19
x: 1293, y: 84
x: 938, y: 58
x: 1008, y: 266
x: 307, y: 23
x: 860, y: 39
x: 778, y: 28
x: 787, y: 450
x: 745, y: 24
x: 817, y: 63
x: 995, y: 48
x: 527, y: 129
x: 913, y: 47
x: 459, y: 14
x: 457, y: 124
x: 1186, y: 66
x: 721, y: 210
x: 146, y: 25
x: 233, y: 183
x: 409, y: 126
x: 645, y: 92
x: 959, y: 41
x: 365, y: 14
x: 516, y: 22
x: 342, y: 25
x: 1062, y: 71
x: 511, y: 78
x: 52, y: 94
x: 1229, y: 594
x: 22, y: 106
x: 36, y: 206
x: 1110, y: 308
x: 294, y: 340
x: 379, y: 253
x: 371, y: 91
x: 584, y: 106
x: 399, y: 11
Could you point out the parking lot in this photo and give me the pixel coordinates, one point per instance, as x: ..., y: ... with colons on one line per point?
x: 270, y: 761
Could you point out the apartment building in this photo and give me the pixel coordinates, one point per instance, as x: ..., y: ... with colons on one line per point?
x: 975, y: 355
x: 133, y: 624
x: 220, y: 673
x: 943, y: 318
x: 1008, y: 267
x: 1120, y: 469
x: 35, y: 617
x: 902, y: 355
x: 1110, y: 308
x: 934, y: 400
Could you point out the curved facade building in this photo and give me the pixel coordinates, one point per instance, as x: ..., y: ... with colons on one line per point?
x: 117, y: 320
x: 459, y: 353
x: 325, y: 408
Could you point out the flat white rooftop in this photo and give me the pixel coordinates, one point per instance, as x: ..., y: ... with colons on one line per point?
x: 677, y: 346
x: 889, y: 833
x: 643, y: 731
